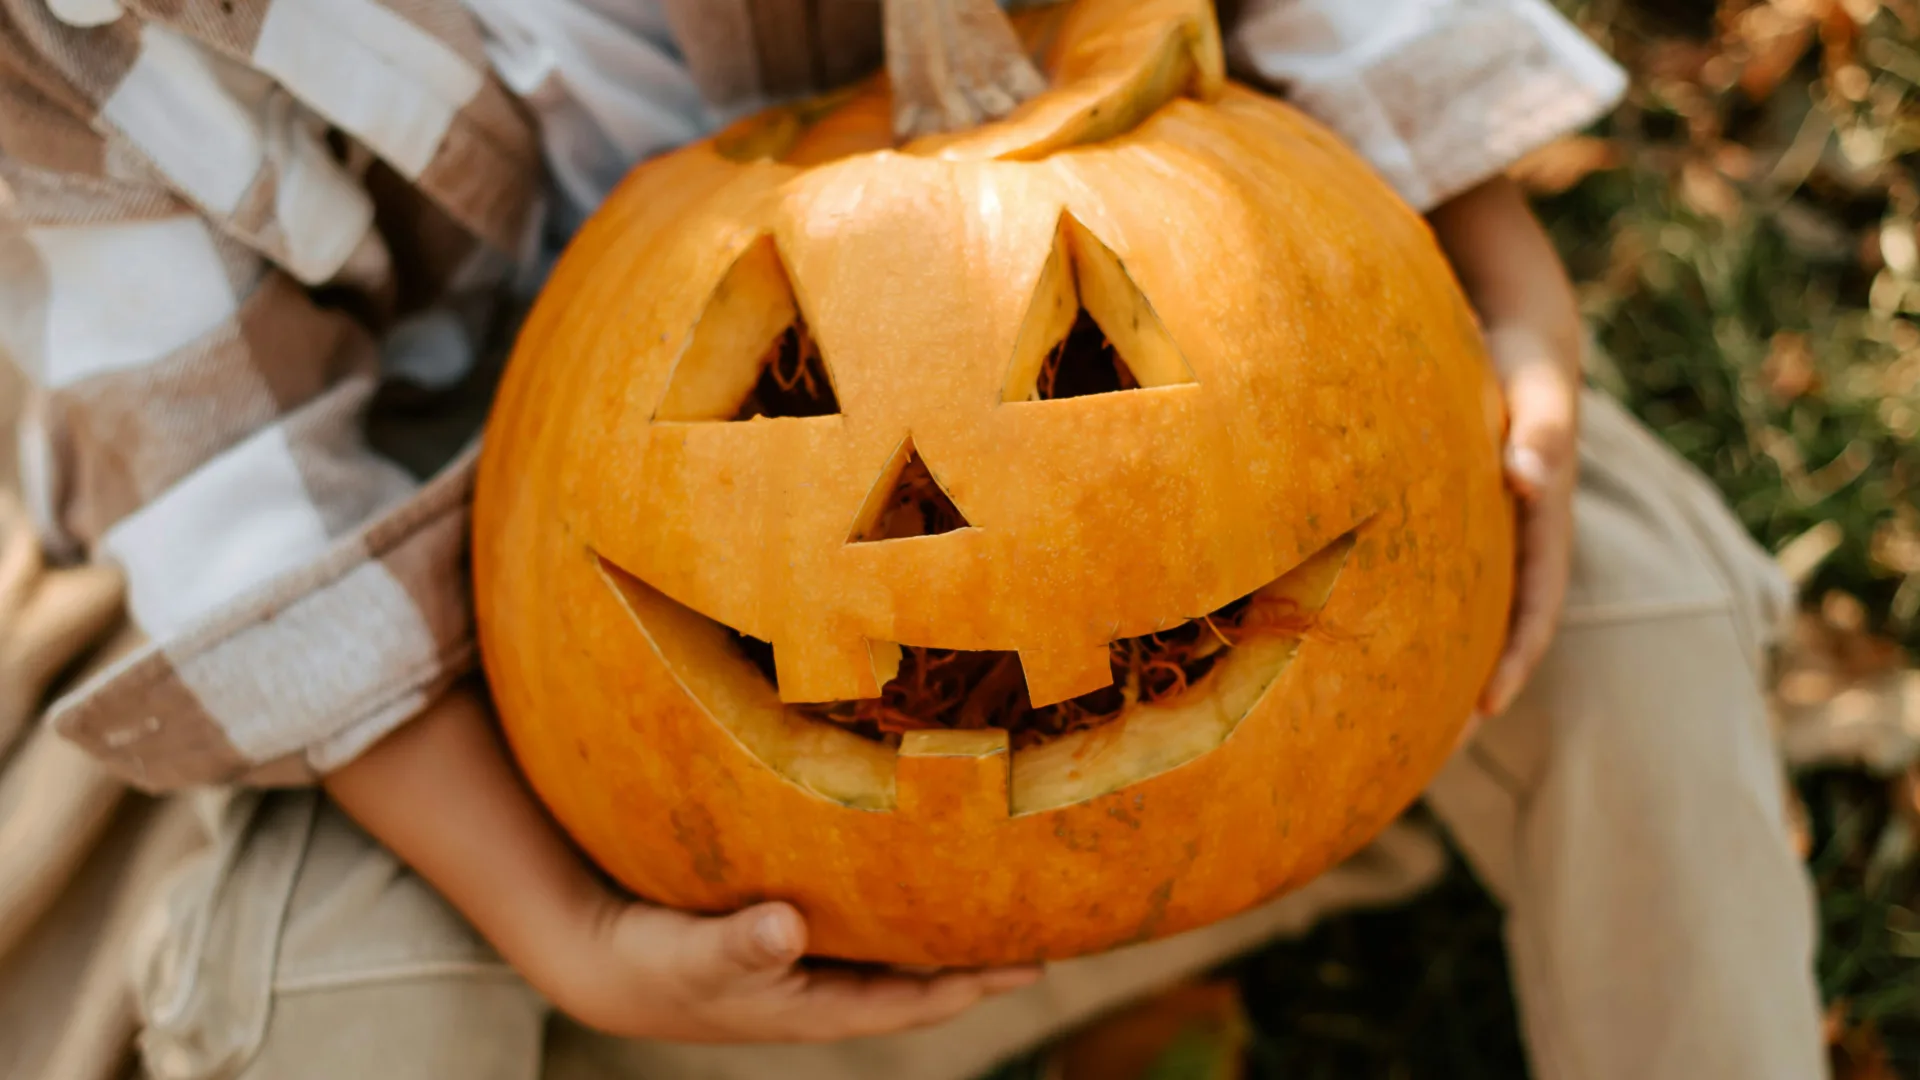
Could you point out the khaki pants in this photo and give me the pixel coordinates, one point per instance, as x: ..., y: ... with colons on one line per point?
x: 1627, y: 813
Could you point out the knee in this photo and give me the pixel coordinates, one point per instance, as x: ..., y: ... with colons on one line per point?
x: 417, y: 1027
x: 299, y: 947
x: 1668, y: 700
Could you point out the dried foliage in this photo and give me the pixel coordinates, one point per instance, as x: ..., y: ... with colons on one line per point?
x: 1746, y: 232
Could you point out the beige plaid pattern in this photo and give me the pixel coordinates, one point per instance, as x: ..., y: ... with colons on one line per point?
x: 182, y: 180
x: 176, y: 177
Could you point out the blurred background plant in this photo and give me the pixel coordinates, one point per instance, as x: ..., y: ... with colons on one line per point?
x: 1744, y: 231
x: 1744, y: 234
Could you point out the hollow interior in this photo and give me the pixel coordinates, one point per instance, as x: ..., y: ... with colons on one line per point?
x: 750, y: 354
x: 1083, y: 364
x: 793, y: 380
x: 1177, y: 694
x: 907, y: 503
x: 960, y: 689
x: 1088, y: 328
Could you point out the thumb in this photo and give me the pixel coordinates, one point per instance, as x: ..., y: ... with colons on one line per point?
x: 1543, y: 404
x: 71, y: 610
x: 763, y: 939
x: 20, y: 560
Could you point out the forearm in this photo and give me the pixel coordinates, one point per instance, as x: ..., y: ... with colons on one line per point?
x: 1509, y: 269
x: 442, y: 794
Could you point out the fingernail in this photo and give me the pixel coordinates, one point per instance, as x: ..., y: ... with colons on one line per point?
x: 1501, y: 699
x: 1527, y: 468
x: 1011, y: 978
x: 1467, y: 733
x: 775, y: 935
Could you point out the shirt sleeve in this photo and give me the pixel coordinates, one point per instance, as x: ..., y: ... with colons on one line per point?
x: 175, y: 202
x: 1439, y: 95
x: 607, y: 83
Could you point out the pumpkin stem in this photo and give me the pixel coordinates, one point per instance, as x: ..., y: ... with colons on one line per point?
x: 954, y: 64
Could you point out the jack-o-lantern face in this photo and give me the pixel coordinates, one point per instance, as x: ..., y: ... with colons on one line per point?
x: 1153, y: 363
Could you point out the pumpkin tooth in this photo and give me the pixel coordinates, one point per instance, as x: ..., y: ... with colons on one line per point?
x: 954, y: 777
x: 1055, y: 675
x: 826, y: 669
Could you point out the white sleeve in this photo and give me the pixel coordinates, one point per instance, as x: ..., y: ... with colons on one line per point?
x: 605, y: 81
x: 1438, y: 95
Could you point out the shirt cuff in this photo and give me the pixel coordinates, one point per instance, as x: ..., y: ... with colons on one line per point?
x: 1438, y: 97
x: 298, y: 677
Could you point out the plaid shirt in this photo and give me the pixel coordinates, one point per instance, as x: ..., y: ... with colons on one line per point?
x: 224, y: 222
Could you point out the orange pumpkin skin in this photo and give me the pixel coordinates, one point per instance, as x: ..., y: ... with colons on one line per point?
x: 1319, y: 377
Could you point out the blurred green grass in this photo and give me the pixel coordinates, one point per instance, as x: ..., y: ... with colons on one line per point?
x: 1750, y: 269
x: 1743, y: 233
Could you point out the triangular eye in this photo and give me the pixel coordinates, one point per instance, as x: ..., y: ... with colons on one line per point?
x: 1089, y: 328
x: 750, y: 355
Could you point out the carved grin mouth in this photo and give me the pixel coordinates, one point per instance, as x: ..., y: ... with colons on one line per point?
x: 1177, y: 695
x: 952, y: 689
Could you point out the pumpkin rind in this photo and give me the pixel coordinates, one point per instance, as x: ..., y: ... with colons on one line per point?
x: 1338, y: 394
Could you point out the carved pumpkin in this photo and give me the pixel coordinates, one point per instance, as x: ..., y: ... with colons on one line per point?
x: 818, y: 458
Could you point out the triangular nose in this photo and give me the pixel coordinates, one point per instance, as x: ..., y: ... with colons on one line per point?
x: 906, y: 500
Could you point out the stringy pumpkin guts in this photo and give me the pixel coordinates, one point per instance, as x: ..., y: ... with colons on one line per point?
x: 947, y: 688
x: 1084, y: 363
x: 944, y: 688
x: 793, y: 380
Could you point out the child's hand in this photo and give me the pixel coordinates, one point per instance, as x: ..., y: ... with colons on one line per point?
x: 441, y: 793
x: 47, y: 617
x: 1526, y: 304
x: 662, y: 974
x: 1543, y: 399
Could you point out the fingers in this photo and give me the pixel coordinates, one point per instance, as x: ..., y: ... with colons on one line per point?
x: 1527, y: 472
x: 846, y: 1005
x: 1001, y: 980
x: 1540, y: 590
x: 754, y: 945
x: 1543, y: 401
x: 70, y: 612
x: 49, y: 615
x: 20, y: 560
x: 1543, y: 404
x: 1471, y: 728
x: 668, y: 975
